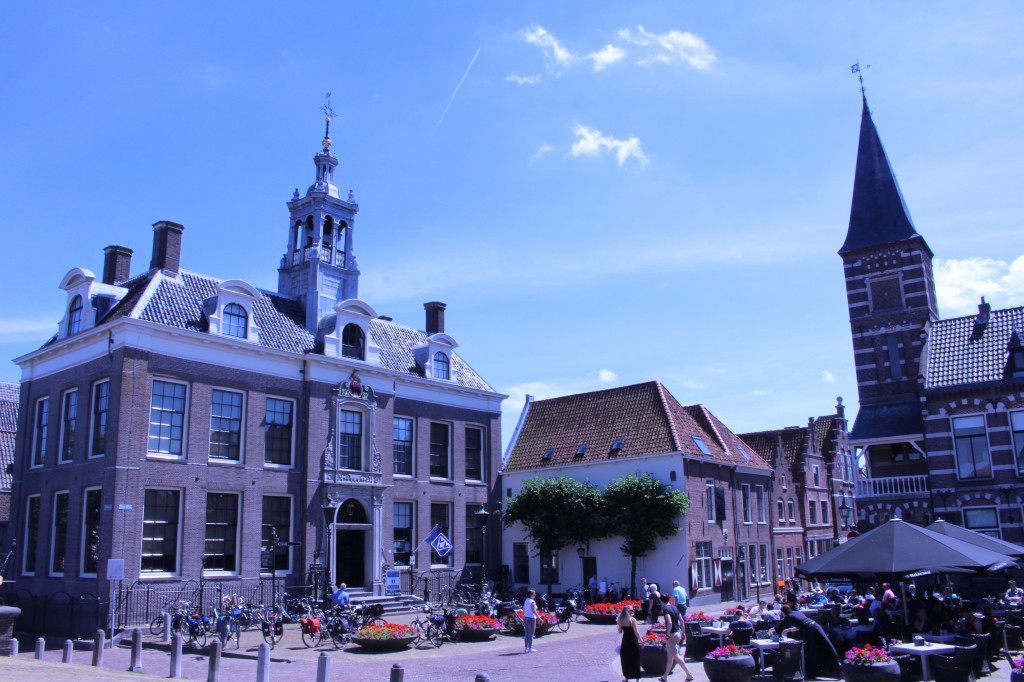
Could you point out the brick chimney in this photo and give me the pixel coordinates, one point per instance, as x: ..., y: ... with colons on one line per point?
x: 117, y: 264
x: 984, y: 309
x: 166, y: 247
x: 435, y: 317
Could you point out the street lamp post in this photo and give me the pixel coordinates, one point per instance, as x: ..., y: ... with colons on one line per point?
x: 580, y: 552
x: 482, y: 514
x: 844, y: 512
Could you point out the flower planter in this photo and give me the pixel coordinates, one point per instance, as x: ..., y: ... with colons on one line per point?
x: 653, y: 658
x: 875, y: 672
x: 729, y: 669
x: 384, y: 644
x: 1017, y: 675
x: 481, y: 635
x: 601, y: 618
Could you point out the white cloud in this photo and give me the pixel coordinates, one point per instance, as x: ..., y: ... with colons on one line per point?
x: 606, y: 376
x: 828, y: 377
x: 670, y: 47
x: 523, y: 80
x: 557, y: 54
x: 27, y: 329
x: 960, y: 283
x: 591, y: 142
x: 761, y: 392
x: 606, y: 56
x: 541, y: 152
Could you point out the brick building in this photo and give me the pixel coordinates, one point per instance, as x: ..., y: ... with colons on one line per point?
x: 175, y: 421
x: 813, y: 506
x: 941, y: 420
x: 722, y: 551
x: 8, y: 430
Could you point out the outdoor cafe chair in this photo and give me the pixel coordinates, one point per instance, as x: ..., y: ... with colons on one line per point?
x: 741, y: 637
x: 698, y: 646
x: 946, y: 669
x: 787, y: 662
x: 982, y: 666
x: 1013, y: 640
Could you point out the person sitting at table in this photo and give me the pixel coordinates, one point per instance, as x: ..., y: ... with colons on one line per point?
x: 972, y: 621
x: 819, y: 653
x: 921, y: 622
x: 834, y: 596
x: 834, y: 618
x: 883, y: 624
x: 937, y: 614
x: 771, y: 612
x: 888, y: 596
x: 862, y: 615
x: 854, y: 599
x: 755, y: 610
x: 817, y: 598
x: 740, y: 621
x: 1014, y: 593
x: 988, y: 620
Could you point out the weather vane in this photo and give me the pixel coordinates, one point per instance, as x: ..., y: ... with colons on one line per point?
x: 856, y: 68
x: 329, y: 114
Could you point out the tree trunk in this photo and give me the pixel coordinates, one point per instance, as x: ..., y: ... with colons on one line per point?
x: 632, y: 577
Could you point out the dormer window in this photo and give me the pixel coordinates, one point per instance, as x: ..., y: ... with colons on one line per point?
x: 353, y: 342
x: 442, y: 366
x: 75, y: 316
x: 581, y: 450
x: 236, y: 320
x: 701, y: 445
x: 617, y: 446
x: 549, y: 453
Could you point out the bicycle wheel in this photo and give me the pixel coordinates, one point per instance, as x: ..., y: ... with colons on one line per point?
x: 435, y: 635
x: 311, y: 639
x: 419, y: 632
x: 563, y: 623
x: 156, y: 626
x: 197, y: 637
x: 247, y: 619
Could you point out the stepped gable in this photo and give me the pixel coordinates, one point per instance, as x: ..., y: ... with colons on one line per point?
x: 963, y: 351
x: 9, y: 398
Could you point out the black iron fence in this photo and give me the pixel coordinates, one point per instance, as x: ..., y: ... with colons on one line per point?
x: 59, y: 614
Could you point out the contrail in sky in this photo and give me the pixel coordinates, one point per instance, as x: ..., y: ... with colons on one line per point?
x: 456, y: 91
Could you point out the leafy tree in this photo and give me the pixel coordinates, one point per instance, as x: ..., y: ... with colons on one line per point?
x: 640, y: 509
x: 556, y: 512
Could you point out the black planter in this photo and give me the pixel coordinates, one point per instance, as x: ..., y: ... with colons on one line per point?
x: 654, y: 659
x: 876, y: 672
x: 731, y: 669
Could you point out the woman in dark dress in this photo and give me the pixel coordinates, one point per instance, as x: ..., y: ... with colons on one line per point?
x: 629, y: 649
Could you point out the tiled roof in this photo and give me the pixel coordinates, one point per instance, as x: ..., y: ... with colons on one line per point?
x: 878, y: 214
x: 961, y: 353
x: 823, y: 427
x: 791, y: 440
x: 178, y: 302
x: 645, y: 417
x: 887, y: 421
x: 9, y: 398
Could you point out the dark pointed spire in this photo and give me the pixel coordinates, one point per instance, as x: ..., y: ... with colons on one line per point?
x: 878, y: 214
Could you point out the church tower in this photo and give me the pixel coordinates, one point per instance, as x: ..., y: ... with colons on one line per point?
x: 890, y: 293
x: 319, y: 267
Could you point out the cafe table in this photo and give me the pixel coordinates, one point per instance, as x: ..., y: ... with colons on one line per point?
x: 716, y: 630
x: 761, y: 645
x: 929, y: 649
x: 944, y: 638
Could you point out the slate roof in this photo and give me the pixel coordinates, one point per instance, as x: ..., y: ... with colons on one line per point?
x: 960, y: 352
x: 178, y: 302
x: 9, y: 398
x: 645, y: 417
x: 878, y: 213
x: 887, y: 421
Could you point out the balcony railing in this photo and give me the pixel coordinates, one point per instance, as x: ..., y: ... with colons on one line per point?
x: 892, y: 486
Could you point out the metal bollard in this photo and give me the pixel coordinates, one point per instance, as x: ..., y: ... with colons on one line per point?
x: 397, y: 673
x: 263, y: 663
x: 99, y: 642
x: 136, y: 666
x: 14, y: 647
x: 213, y: 673
x: 167, y: 627
x: 175, y: 656
x: 482, y: 677
x: 69, y: 648
x: 323, y: 667
x: 40, y: 648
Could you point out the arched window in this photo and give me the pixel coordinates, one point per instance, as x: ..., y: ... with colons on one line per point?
x: 353, y: 341
x: 328, y: 238
x: 75, y: 316
x: 442, y: 368
x: 235, y: 320
x: 309, y: 231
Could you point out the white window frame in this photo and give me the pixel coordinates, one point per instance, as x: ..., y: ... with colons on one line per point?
x: 782, y: 510
x: 241, y: 429
x: 238, y: 533
x: 179, y: 539
x: 709, y: 498
x: 705, y: 566
x: 63, y: 424
x: 812, y: 512
x: 791, y: 506
x: 984, y: 530
x: 825, y: 512
x: 752, y: 568
x: 83, y: 545
x: 483, y: 452
x: 41, y: 404
x: 349, y: 408
x: 956, y: 454
x: 816, y: 475
x: 745, y: 502
x: 291, y: 531
x: 30, y: 530
x: 92, y: 419
x: 412, y: 445
x: 153, y: 454
x: 762, y: 512
x: 783, y: 482
x: 52, y: 557
x: 291, y: 441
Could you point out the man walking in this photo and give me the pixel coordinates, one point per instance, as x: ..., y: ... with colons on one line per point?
x: 674, y: 630
x: 340, y: 598
x: 679, y: 597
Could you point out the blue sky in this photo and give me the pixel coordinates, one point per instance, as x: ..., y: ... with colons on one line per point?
x: 602, y: 193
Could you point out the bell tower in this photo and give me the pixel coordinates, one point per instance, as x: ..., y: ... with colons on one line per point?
x: 319, y: 267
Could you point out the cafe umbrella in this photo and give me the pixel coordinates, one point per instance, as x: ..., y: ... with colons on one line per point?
x: 896, y: 549
x: 975, y: 538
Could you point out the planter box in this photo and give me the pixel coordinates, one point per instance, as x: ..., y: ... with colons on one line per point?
x: 469, y: 635
x: 876, y: 672
x: 385, y: 644
x: 601, y: 618
x: 731, y: 669
x: 653, y: 659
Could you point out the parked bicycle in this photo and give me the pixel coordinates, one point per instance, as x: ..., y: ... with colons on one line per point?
x: 441, y: 627
x: 271, y: 625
